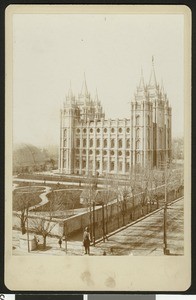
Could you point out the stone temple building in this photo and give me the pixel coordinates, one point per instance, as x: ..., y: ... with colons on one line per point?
x: 92, y: 144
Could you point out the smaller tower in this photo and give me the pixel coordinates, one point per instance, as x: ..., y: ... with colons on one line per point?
x: 69, y: 115
x: 141, y: 126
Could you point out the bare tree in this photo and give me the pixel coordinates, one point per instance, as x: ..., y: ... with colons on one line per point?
x: 89, y: 194
x: 44, y: 224
x: 22, y: 204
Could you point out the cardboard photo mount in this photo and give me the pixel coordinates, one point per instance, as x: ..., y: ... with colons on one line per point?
x: 71, y: 273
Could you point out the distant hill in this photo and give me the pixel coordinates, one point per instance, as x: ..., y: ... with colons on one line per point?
x: 28, y: 158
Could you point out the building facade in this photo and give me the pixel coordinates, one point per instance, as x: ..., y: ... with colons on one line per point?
x: 92, y: 144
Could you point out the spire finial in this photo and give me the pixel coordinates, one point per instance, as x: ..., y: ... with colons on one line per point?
x: 153, y: 60
x: 84, y: 90
x: 96, y: 96
x: 70, y: 94
x: 141, y: 84
x: 153, y: 81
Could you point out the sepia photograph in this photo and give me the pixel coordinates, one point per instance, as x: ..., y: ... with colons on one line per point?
x: 98, y: 146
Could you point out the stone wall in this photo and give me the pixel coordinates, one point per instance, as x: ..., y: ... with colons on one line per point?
x: 114, y: 215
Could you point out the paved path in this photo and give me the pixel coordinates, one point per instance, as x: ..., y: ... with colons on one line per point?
x: 53, y: 182
x: 143, y: 238
x: 146, y: 237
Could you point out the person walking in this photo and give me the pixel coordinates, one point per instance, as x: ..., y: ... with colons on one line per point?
x: 60, y: 242
x: 86, y: 240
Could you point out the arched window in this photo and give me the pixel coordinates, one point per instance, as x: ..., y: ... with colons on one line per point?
x: 112, y: 143
x: 148, y: 120
x: 120, y: 166
x: 91, y: 142
x: 83, y: 164
x: 127, y: 167
x: 77, y: 142
x: 138, y: 158
x: 137, y: 133
x: 120, y: 143
x: 77, y: 163
x: 137, y: 120
x: 105, y: 143
x: 148, y: 138
x: 137, y: 144
x: 65, y: 143
x: 128, y: 143
x: 112, y: 166
x: 84, y: 142
x: 105, y: 165
x: 97, y: 164
x: 98, y: 142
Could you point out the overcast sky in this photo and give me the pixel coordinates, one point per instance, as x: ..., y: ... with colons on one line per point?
x: 50, y: 50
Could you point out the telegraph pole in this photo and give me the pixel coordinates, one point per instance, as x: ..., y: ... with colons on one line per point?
x: 93, y: 223
x: 103, y: 221
x: 28, y: 229
x: 165, y: 250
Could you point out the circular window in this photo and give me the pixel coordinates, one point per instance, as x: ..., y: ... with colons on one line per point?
x: 127, y: 153
x: 91, y: 130
x: 97, y: 152
x: 119, y: 153
x: 128, y: 130
x: 78, y: 130
x: 98, y: 130
x: 84, y: 130
x: 112, y: 130
x: 112, y: 152
x: 120, y: 130
x: 104, y: 152
x: 90, y: 152
x: 105, y: 130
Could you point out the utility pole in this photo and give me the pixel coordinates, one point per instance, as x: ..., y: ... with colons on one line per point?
x: 165, y: 250
x: 103, y: 222
x: 28, y: 230
x: 93, y: 223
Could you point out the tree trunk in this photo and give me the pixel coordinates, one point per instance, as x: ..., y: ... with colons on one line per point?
x: 44, y: 243
x: 23, y: 229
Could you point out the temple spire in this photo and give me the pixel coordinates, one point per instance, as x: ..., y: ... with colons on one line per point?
x: 96, y: 96
x: 162, y: 88
x: 84, y: 90
x: 141, y: 84
x: 70, y: 93
x: 153, y: 81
